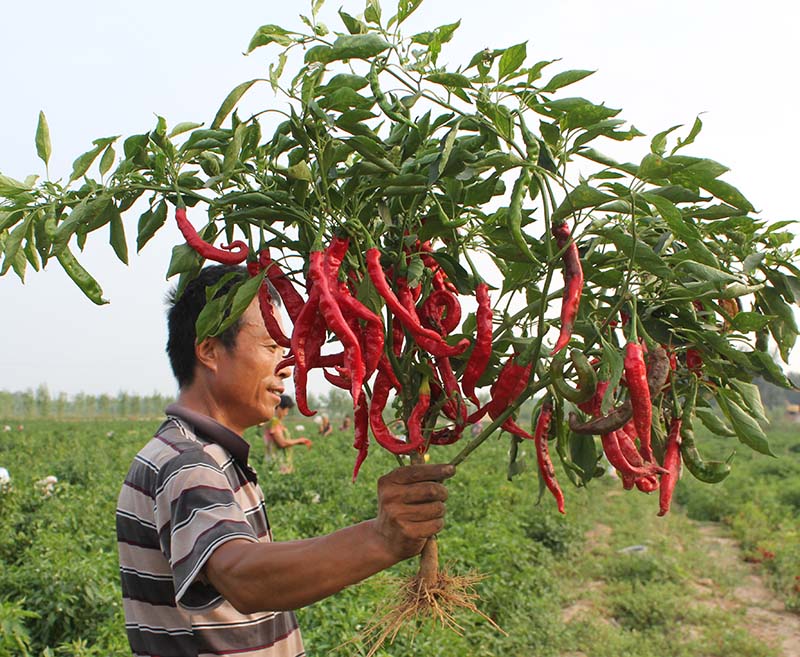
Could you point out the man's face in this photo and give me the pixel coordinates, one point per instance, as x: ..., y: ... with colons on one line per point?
x: 246, y: 384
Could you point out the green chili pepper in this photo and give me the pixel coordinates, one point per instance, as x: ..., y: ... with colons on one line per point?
x: 82, y: 278
x: 515, y: 215
x: 709, y: 472
x: 587, y: 378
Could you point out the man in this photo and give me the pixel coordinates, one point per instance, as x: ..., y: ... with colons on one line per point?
x: 200, y: 572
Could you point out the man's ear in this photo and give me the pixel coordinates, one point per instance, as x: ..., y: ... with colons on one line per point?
x: 207, y: 353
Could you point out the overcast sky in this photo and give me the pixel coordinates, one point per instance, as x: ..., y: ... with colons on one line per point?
x: 106, y: 68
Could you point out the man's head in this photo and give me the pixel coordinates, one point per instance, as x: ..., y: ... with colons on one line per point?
x: 235, y: 371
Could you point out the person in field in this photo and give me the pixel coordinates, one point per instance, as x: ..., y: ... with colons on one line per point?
x: 201, y: 571
x: 278, y: 441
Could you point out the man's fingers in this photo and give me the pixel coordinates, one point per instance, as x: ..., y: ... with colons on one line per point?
x: 421, y: 492
x: 424, y: 472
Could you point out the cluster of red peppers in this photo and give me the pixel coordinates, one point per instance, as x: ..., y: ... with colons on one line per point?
x: 424, y: 326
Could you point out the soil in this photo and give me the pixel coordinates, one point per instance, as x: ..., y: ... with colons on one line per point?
x: 767, y: 618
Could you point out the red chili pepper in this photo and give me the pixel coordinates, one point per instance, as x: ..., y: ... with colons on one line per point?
x: 672, y: 462
x: 417, y: 417
x: 543, y: 453
x: 455, y: 407
x: 636, y: 378
x: 380, y: 395
x: 332, y: 314
x: 647, y: 484
x: 573, y: 284
x: 694, y: 361
x: 373, y: 333
x: 441, y: 312
x: 360, y: 432
x: 594, y: 406
x: 617, y: 459
x: 427, y: 339
x: 308, y: 337
x: 234, y: 253
x: 289, y: 295
x: 482, y: 350
x: 270, y: 321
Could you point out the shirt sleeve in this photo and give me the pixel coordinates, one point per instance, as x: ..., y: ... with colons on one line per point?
x: 196, y: 512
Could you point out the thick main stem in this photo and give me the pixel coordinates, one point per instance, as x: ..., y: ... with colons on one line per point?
x: 428, y: 573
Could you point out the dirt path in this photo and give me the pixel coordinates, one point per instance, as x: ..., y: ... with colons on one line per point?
x: 765, y: 613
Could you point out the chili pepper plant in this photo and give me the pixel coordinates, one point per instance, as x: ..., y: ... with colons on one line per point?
x: 449, y: 240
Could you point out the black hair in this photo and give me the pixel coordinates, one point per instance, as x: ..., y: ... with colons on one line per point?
x: 184, y: 310
x: 286, y: 402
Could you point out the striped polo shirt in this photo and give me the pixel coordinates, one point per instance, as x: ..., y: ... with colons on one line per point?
x: 188, y: 491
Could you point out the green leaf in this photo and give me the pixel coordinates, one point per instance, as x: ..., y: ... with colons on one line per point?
x: 230, y: 102
x: 582, y: 197
x: 43, y: 146
x: 267, y: 34
x: 583, y: 452
x: 355, y: 46
x: 747, y: 322
x: 696, y: 128
x: 300, y: 171
x: 107, y: 161
x: 746, y: 428
x: 184, y: 259
x: 82, y: 163
x: 149, y: 222
x: 770, y: 370
x: 705, y: 273
x: 450, y: 80
x: 404, y: 9
x: 185, y: 126
x: 728, y: 193
x: 714, y: 423
x: 13, y: 242
x: 11, y: 188
x: 646, y: 258
x: 752, y: 399
x: 372, y: 12
x: 681, y: 228
x: 117, y: 235
x: 242, y: 298
x: 511, y: 59
x: 564, y: 79
x: 658, y: 144
x: 353, y: 25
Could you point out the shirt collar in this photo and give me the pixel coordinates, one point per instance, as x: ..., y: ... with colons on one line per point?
x: 209, y: 428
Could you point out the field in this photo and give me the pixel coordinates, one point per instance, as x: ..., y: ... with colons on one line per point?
x: 609, y: 579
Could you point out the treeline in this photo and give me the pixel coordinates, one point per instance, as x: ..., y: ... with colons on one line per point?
x: 41, y: 404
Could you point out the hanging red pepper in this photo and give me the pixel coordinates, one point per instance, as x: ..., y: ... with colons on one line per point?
x: 336, y: 322
x: 482, y: 349
x: 360, y: 432
x: 417, y: 417
x: 380, y: 395
x: 617, y: 459
x: 441, y: 311
x: 427, y: 339
x: 573, y: 284
x: 672, y: 462
x: 694, y: 361
x: 308, y: 337
x: 267, y: 310
x: 234, y: 253
x: 543, y: 453
x: 594, y: 406
x: 291, y: 298
x: 636, y: 379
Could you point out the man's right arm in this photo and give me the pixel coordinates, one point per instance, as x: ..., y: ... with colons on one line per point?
x: 289, y: 575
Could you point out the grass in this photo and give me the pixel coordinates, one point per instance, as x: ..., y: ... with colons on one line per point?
x: 610, y: 578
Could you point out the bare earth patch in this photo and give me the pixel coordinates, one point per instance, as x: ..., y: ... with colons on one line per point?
x: 767, y: 618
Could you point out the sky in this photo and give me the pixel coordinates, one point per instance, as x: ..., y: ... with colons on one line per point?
x: 103, y: 68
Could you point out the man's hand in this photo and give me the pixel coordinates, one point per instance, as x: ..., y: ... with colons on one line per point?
x: 411, y: 507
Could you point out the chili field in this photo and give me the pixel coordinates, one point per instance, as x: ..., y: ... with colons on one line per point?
x: 610, y: 578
